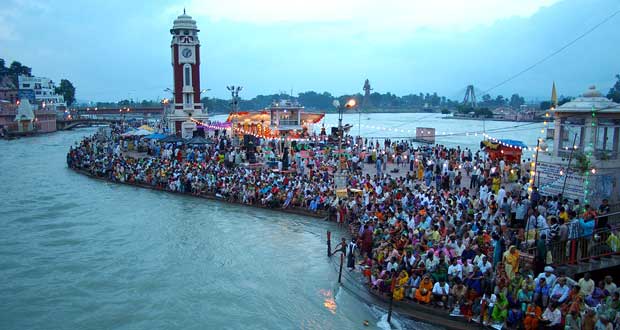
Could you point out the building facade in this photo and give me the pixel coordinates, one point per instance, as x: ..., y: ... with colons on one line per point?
x: 40, y: 91
x: 186, y: 109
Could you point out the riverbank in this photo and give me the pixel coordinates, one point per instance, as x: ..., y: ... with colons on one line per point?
x: 494, y: 119
x: 319, y: 215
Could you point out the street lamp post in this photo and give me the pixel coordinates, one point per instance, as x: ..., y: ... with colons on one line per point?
x: 350, y: 104
x: 234, y: 91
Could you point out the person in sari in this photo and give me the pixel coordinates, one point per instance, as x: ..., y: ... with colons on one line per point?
x: 511, y: 261
x: 423, y: 293
x: 532, y: 316
x: 401, y: 282
x: 515, y: 284
x: 500, y: 310
x: 524, y: 297
x: 420, y: 171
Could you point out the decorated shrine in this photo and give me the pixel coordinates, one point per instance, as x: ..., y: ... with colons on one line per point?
x: 509, y: 150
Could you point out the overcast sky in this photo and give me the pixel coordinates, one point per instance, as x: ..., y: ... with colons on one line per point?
x: 113, y: 49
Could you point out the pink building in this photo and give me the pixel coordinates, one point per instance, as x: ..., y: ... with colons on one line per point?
x: 44, y: 122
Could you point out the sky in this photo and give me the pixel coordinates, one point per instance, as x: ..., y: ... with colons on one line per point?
x: 113, y: 49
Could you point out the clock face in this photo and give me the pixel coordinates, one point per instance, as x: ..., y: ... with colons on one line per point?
x: 187, y: 53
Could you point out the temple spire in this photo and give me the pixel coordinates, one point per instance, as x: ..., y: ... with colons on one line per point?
x: 183, y: 10
x: 554, y: 96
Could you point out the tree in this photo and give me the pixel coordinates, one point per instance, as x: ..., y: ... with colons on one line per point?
x: 545, y: 105
x: 123, y: 103
x: 67, y: 90
x: 516, y: 101
x: 614, y: 92
x: 483, y: 112
x: 14, y: 71
x: 563, y: 99
x: 3, y: 69
x: 500, y: 100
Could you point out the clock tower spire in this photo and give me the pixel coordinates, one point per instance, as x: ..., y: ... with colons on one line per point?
x: 185, y: 48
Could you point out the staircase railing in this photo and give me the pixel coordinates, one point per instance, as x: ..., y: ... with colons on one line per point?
x: 583, y: 248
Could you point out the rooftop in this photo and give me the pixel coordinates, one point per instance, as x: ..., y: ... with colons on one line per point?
x: 589, y: 101
x: 184, y: 22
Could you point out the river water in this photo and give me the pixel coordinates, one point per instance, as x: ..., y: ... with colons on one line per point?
x: 79, y: 253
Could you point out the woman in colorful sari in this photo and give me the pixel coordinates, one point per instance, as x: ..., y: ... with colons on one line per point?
x: 500, y: 310
x: 511, y: 261
x: 420, y: 171
x: 532, y: 315
x: 423, y: 293
x: 399, y: 289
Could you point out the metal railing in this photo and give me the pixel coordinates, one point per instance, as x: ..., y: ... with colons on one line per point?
x: 584, y: 247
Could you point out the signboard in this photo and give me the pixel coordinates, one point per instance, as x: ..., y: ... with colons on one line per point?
x: 426, y: 134
x: 187, y: 129
x: 551, y: 180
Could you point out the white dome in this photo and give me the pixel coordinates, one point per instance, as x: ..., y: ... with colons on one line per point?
x: 590, y: 100
x: 184, y: 22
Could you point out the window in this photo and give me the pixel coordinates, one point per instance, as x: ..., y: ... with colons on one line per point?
x: 571, y: 135
x: 187, y: 76
x: 607, y: 134
x: 26, y: 85
x: 188, y: 98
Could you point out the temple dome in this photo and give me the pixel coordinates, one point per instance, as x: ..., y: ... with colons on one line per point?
x: 589, y: 101
x: 592, y: 92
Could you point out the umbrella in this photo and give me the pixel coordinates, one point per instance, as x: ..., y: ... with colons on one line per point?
x: 155, y: 136
x: 140, y: 132
x: 171, y: 139
x: 198, y: 140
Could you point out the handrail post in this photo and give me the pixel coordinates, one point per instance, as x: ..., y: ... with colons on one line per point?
x: 389, y: 318
x: 329, y: 243
x: 340, y: 272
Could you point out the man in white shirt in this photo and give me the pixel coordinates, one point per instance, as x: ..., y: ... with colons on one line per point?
x: 440, y: 293
x: 552, y: 317
x: 455, y: 271
x: 548, y: 275
x: 484, y: 265
x: 586, y: 285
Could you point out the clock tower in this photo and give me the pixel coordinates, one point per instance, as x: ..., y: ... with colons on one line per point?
x: 185, y: 48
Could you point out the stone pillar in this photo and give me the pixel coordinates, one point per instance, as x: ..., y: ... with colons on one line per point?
x: 557, y: 135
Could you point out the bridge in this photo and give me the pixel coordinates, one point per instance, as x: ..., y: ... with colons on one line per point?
x: 65, y: 125
x: 119, y: 112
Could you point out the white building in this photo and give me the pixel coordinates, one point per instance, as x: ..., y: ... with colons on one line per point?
x: 41, y: 91
x: 587, y: 135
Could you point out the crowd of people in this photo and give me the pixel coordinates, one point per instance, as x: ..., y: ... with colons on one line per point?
x: 447, y: 227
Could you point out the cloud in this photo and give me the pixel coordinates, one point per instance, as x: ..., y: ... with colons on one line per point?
x: 7, y: 31
x: 368, y: 15
x: 16, y: 12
